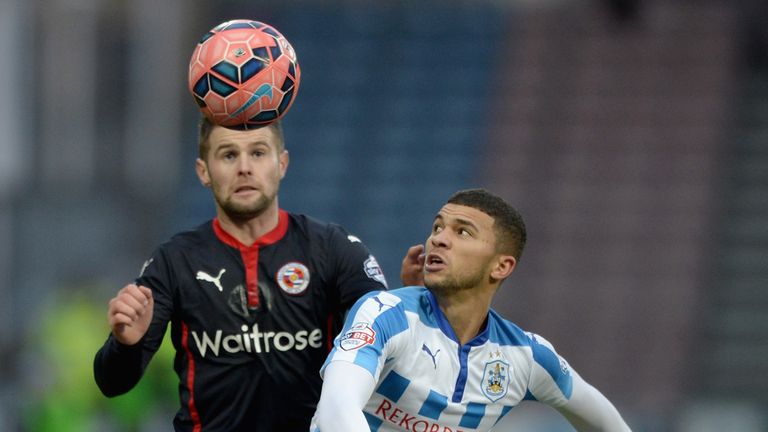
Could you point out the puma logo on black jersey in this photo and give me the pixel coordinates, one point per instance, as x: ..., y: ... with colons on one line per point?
x: 203, y: 276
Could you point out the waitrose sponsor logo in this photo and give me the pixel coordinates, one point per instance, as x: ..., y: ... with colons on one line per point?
x: 252, y: 340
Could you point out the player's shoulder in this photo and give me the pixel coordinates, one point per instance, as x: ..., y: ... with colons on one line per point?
x: 406, y: 299
x: 314, y: 228
x: 191, y: 238
x: 505, y: 332
x: 311, y: 224
x: 410, y: 298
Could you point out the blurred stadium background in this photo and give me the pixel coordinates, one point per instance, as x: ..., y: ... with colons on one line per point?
x: 632, y: 134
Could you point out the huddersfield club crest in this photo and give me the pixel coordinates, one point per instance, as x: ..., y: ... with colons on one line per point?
x: 293, y: 278
x: 495, y: 380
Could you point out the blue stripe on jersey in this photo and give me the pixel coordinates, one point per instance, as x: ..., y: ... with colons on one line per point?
x: 393, y: 386
x: 389, y: 323
x: 473, y: 415
x: 504, y: 332
x: 461, y: 380
x: 356, y: 307
x: 504, y: 412
x: 368, y: 360
x: 412, y: 299
x: 442, y: 321
x: 434, y: 405
x: 373, y: 422
x: 529, y: 396
x: 549, y: 361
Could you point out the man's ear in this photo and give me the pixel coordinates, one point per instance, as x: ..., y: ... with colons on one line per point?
x: 202, y: 172
x: 505, y: 265
x: 283, y: 160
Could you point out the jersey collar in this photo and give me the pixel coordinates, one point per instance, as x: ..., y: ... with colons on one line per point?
x: 271, y: 237
x: 446, y: 328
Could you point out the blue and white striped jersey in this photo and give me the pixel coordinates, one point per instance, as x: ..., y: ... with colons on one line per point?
x: 427, y: 381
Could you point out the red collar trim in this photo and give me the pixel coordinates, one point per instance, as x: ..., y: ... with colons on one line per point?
x: 271, y: 237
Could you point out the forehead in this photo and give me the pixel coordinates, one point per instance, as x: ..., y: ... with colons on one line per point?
x: 223, y: 136
x: 454, y: 213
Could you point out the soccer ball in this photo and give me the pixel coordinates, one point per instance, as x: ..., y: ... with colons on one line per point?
x: 244, y: 74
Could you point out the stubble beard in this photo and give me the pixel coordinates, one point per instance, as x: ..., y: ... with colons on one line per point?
x: 243, y: 212
x: 452, y: 283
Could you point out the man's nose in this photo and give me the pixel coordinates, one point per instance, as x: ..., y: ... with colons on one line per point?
x: 440, y: 238
x: 244, y: 165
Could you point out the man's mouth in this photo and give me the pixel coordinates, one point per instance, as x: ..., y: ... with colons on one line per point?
x: 434, y: 262
x: 245, y: 189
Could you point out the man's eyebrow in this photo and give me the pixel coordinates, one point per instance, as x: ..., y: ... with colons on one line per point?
x: 224, y: 145
x: 460, y: 221
x: 228, y: 144
x: 466, y: 222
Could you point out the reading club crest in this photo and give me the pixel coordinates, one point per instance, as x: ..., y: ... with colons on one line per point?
x: 293, y: 278
x: 495, y: 380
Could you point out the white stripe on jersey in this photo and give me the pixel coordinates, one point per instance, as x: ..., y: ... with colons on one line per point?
x: 426, y: 381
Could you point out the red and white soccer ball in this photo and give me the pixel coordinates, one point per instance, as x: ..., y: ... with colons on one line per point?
x: 244, y: 74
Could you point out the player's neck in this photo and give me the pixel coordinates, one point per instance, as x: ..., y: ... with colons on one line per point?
x: 247, y: 231
x: 466, y: 311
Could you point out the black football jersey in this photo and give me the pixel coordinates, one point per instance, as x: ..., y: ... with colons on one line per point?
x: 251, y: 325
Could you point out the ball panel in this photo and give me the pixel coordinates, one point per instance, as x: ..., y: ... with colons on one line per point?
x: 227, y: 70
x: 201, y: 87
x: 220, y: 87
x: 251, y: 68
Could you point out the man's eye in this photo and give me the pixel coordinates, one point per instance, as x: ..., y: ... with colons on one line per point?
x: 464, y: 232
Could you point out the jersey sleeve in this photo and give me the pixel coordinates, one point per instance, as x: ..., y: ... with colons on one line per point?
x: 372, y: 333
x: 346, y: 389
x: 588, y: 409
x: 357, y: 271
x: 550, y: 381
x: 117, y: 368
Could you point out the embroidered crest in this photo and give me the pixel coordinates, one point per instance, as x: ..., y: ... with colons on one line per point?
x: 495, y: 380
x: 293, y: 278
x: 373, y: 270
x: 359, y: 335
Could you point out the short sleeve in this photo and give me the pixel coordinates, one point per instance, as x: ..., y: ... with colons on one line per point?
x: 374, y: 330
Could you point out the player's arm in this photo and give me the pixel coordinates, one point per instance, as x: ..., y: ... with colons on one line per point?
x: 589, y: 410
x: 555, y: 383
x: 346, y: 389
x: 354, y: 364
x: 118, y: 364
x: 138, y: 317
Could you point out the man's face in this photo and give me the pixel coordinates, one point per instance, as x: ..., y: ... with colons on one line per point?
x: 243, y: 169
x: 460, y: 250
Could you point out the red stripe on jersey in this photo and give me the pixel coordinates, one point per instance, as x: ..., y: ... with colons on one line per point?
x: 251, y: 260
x: 193, y: 414
x: 250, y: 254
